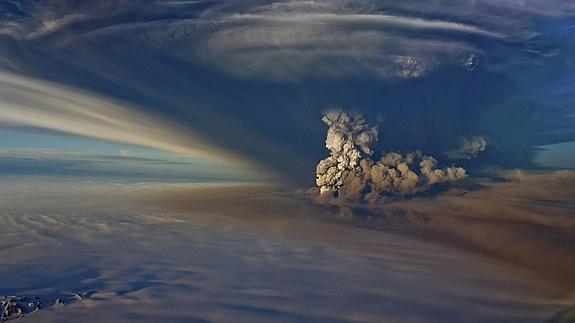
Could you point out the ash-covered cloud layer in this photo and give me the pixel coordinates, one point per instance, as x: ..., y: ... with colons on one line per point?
x: 351, y: 173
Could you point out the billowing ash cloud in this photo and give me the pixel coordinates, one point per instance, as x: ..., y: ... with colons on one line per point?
x: 351, y: 173
x: 469, y: 148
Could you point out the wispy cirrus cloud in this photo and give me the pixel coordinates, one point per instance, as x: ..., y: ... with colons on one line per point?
x: 293, y: 39
x: 27, y: 102
x: 329, y: 45
x: 290, y: 40
x: 382, y: 19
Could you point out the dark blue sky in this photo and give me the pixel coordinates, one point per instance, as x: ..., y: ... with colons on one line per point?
x: 246, y: 81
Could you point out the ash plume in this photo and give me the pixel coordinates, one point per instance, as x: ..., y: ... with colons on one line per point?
x: 351, y: 173
x: 469, y: 148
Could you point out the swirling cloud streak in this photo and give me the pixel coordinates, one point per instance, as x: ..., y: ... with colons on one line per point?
x: 27, y: 102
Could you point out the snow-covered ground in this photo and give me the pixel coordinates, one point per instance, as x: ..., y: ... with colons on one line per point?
x: 121, y: 252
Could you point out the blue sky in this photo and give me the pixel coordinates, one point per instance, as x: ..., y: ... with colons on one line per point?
x: 243, y: 84
x: 49, y: 154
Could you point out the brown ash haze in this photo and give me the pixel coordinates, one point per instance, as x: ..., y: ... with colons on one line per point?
x: 287, y: 161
